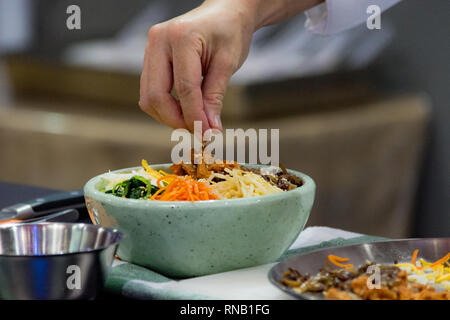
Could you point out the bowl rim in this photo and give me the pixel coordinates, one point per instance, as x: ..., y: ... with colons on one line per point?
x: 91, y: 191
x: 118, y: 237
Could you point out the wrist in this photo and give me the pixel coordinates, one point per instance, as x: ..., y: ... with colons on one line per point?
x: 267, y: 12
x: 252, y: 14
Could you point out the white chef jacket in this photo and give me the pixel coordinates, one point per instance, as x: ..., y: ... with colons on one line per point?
x: 334, y: 16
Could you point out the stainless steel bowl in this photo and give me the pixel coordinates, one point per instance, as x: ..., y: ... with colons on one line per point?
x: 55, y: 260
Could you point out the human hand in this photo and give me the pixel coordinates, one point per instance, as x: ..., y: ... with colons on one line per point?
x: 211, y: 41
x: 197, y: 53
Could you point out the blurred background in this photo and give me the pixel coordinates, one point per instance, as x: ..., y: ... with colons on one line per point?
x: 365, y: 113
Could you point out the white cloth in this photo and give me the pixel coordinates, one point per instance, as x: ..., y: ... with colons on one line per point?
x: 334, y: 16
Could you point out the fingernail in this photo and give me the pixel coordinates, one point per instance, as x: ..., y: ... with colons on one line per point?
x: 217, y: 122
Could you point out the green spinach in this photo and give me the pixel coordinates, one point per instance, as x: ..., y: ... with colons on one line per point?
x: 136, y: 187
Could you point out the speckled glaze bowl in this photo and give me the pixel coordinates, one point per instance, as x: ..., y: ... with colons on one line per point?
x: 186, y: 239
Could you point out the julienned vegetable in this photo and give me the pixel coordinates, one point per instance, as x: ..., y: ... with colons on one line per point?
x: 199, y: 182
x: 135, y: 188
x: 184, y: 189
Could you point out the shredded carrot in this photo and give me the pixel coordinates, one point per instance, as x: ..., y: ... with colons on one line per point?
x: 441, y: 261
x: 414, y: 257
x: 10, y: 221
x: 336, y: 261
x: 336, y: 258
x: 183, y: 189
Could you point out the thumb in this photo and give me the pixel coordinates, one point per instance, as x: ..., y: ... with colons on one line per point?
x: 213, y: 88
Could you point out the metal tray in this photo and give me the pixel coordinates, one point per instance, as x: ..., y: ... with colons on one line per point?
x: 384, y: 252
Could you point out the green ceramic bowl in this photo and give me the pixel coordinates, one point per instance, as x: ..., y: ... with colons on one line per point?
x: 186, y: 239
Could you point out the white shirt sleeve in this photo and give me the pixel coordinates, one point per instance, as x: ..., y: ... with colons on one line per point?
x: 334, y: 16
